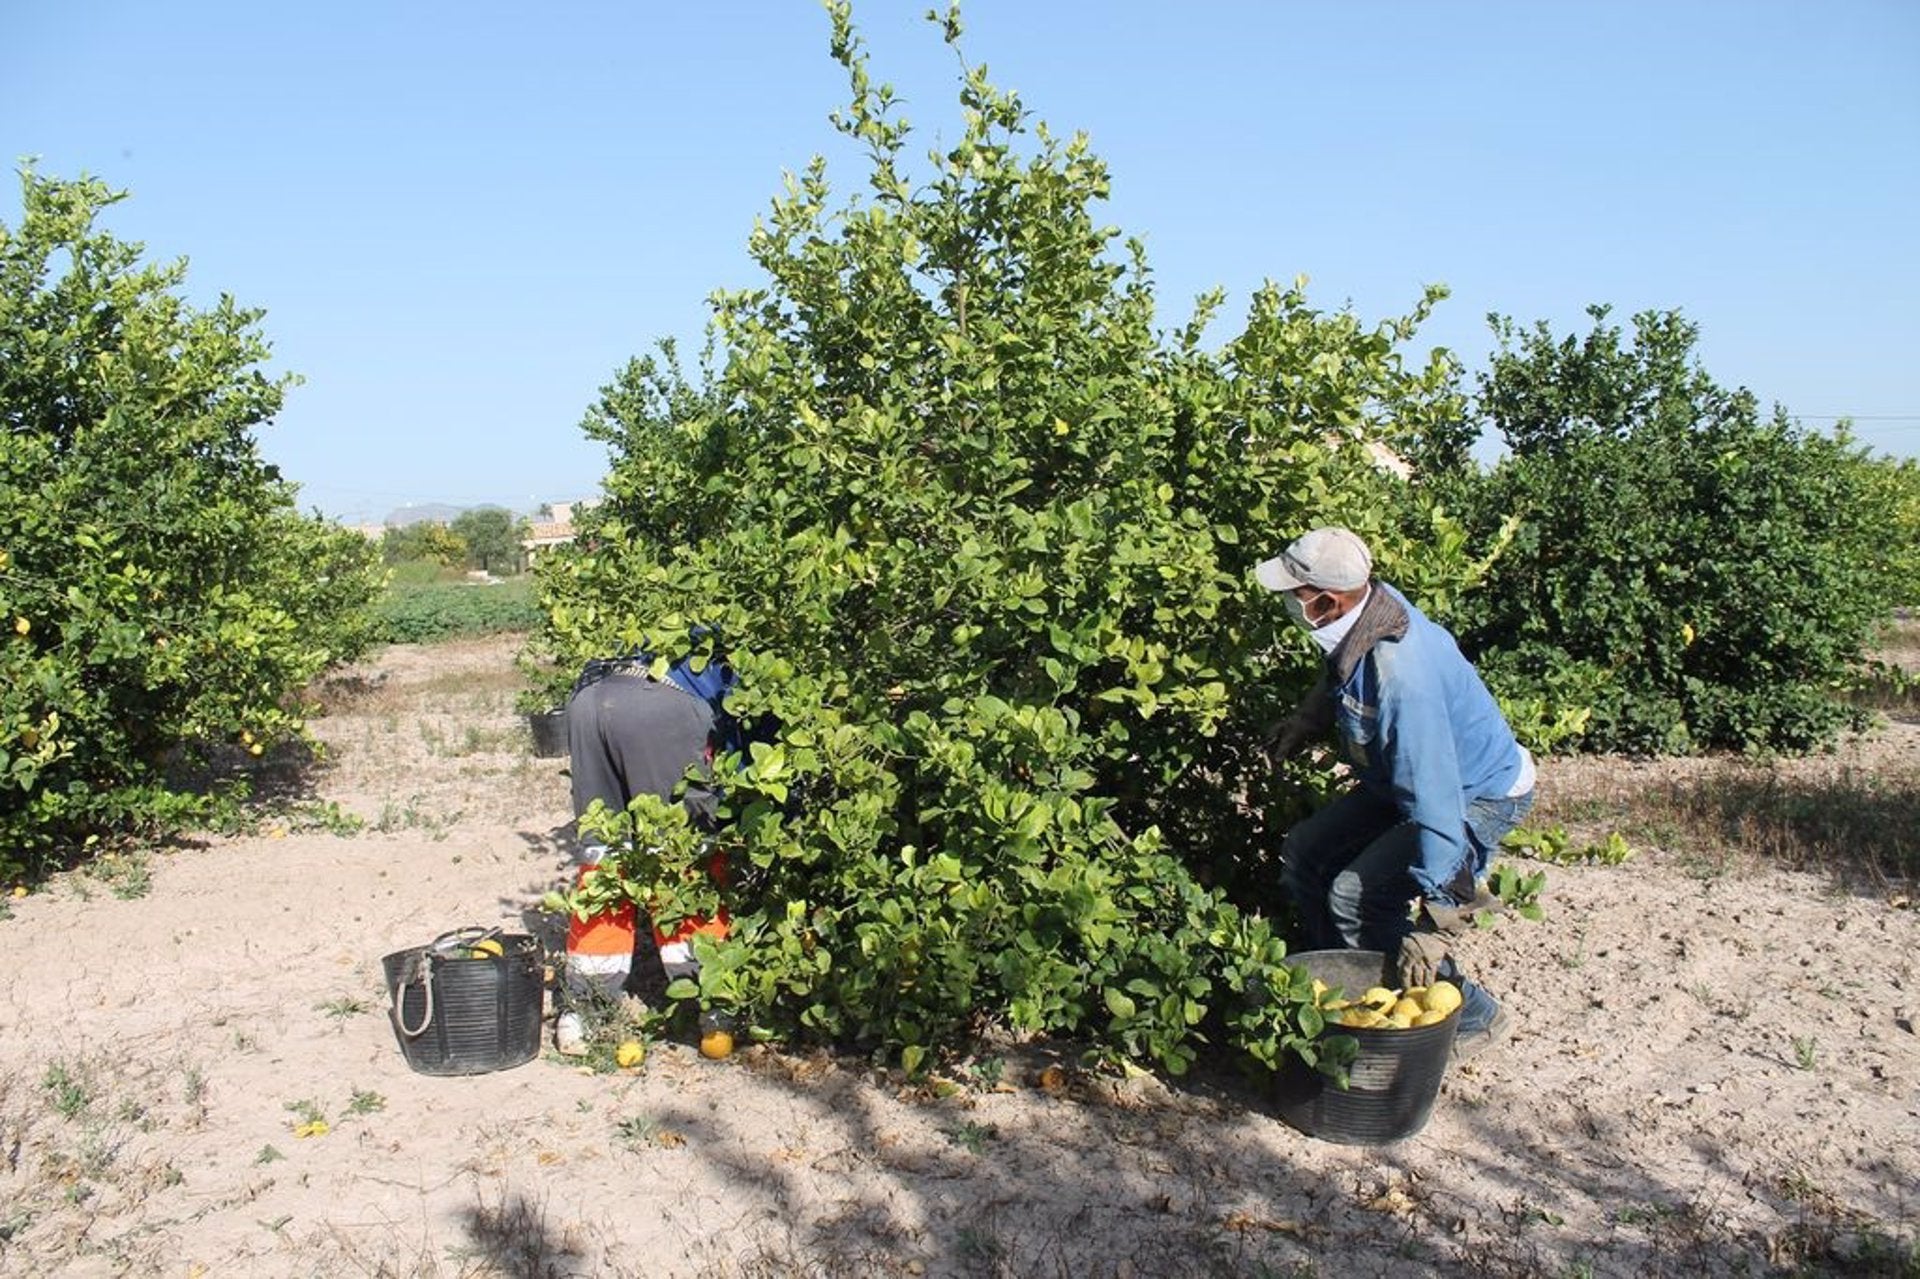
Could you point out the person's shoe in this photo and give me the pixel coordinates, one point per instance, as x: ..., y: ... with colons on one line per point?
x: 570, y: 1035
x: 1470, y: 1044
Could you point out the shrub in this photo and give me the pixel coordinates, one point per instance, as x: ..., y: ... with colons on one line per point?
x: 979, y: 542
x: 162, y: 596
x: 1698, y: 575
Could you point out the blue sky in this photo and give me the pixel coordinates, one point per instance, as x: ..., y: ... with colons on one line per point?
x: 461, y: 219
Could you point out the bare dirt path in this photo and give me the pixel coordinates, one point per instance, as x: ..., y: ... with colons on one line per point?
x: 1713, y: 1072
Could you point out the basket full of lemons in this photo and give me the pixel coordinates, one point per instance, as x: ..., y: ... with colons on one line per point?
x: 1404, y: 1036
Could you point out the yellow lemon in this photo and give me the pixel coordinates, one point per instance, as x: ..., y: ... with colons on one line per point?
x: 716, y: 1044
x: 1362, y: 1018
x: 1430, y: 1018
x: 1404, y: 1007
x: 21, y: 626
x: 488, y: 946
x: 1380, y: 997
x: 630, y: 1054
x: 1416, y: 993
x: 1399, y: 1021
x: 1442, y: 997
x: 19, y: 890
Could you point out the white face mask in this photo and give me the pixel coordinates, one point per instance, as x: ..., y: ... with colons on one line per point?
x: 1297, y: 609
x: 1329, y: 634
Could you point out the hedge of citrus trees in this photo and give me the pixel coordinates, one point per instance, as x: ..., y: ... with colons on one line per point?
x: 1692, y: 572
x: 161, y: 599
x: 978, y: 539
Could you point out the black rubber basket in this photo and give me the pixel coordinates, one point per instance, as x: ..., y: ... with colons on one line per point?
x: 549, y: 733
x: 459, y: 1009
x: 1395, y: 1076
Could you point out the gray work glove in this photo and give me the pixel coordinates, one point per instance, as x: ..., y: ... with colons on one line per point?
x: 1424, y: 949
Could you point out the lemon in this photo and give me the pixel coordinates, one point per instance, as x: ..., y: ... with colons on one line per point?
x: 1416, y: 993
x: 1408, y: 1008
x: 630, y: 1054
x: 716, y: 1044
x: 1362, y: 1018
x: 1399, y: 1021
x: 488, y: 946
x: 1380, y: 997
x: 1431, y: 1017
x: 1443, y: 997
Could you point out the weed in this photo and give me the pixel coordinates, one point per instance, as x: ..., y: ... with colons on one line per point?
x: 127, y: 875
x: 1803, y: 1051
x: 70, y: 1093
x: 636, y: 1132
x: 979, y: 1244
x: 327, y: 816
x: 1552, y: 844
x: 410, y: 816
x: 1520, y: 892
x: 989, y: 1071
x: 268, y: 1154
x: 973, y: 1137
x: 309, y: 1111
x: 364, y: 1102
x: 342, y: 1008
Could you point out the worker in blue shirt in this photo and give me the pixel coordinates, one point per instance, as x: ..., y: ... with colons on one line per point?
x: 1395, y: 863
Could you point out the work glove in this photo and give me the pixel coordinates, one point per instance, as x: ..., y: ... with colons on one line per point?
x: 1286, y: 737
x: 1424, y: 949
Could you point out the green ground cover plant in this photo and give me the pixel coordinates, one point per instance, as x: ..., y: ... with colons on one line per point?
x: 421, y: 612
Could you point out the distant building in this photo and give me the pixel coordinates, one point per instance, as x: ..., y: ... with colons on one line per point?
x: 556, y: 530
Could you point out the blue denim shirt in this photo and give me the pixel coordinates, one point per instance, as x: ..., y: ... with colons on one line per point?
x: 1422, y: 730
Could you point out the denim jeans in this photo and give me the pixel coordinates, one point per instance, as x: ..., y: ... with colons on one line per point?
x: 1347, y: 871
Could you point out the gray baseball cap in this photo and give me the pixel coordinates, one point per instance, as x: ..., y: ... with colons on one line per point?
x: 1334, y: 559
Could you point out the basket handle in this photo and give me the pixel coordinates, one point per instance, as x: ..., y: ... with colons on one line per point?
x: 422, y: 967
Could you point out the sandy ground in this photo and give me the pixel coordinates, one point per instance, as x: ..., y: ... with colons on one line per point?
x: 1713, y: 1072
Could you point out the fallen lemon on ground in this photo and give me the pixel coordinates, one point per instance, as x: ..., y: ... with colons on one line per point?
x: 716, y: 1044
x: 632, y: 1053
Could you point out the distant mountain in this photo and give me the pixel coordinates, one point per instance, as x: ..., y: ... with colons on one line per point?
x: 437, y: 512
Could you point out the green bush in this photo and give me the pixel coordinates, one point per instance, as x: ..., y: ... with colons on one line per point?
x: 1691, y: 573
x: 421, y: 612
x: 979, y: 541
x: 162, y: 598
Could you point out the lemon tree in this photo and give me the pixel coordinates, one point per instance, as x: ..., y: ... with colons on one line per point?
x: 977, y: 536
x: 166, y: 599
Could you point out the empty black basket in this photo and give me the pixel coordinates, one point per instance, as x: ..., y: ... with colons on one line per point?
x: 1395, y: 1076
x: 458, y: 1009
x: 549, y: 733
